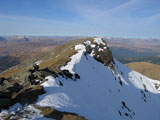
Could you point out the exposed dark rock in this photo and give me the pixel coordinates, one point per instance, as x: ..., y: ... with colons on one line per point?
x: 126, y: 114
x: 46, y: 72
x: 1, y: 80
x: 32, y: 78
x: 120, y: 81
x: 61, y: 74
x: 120, y: 113
x: 30, y: 94
x: 102, y: 54
x: 156, y: 85
x: 88, y: 49
x: 67, y: 73
x: 104, y: 57
x: 145, y: 88
x: 31, y: 70
x: 36, y: 67
x: 123, y: 103
x: 15, y: 88
x: 76, y: 76
x: 11, y: 91
x: 6, y: 93
x: 125, y: 106
x: 60, y: 83
x: 39, y: 74
x: 4, y: 81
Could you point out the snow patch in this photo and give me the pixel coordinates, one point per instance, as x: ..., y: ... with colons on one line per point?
x: 75, y: 59
x: 100, y: 49
x: 27, y: 112
x: 38, y: 62
x: 51, y: 82
x: 99, y: 41
x: 87, y: 42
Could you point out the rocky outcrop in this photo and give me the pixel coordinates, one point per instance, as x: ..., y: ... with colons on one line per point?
x: 7, y: 89
x: 88, y: 49
x: 23, y: 89
x: 66, y: 73
x: 27, y: 87
x: 101, y: 53
x: 12, y: 92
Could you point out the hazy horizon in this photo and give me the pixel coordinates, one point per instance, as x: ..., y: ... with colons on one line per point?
x: 123, y: 18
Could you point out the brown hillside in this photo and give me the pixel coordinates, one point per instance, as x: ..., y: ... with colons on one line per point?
x: 148, y: 69
x: 53, y: 59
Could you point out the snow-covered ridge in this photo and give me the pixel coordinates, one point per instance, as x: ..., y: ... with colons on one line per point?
x: 75, y: 58
x: 81, y: 49
x: 100, y: 93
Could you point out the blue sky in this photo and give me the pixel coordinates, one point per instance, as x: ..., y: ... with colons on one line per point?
x: 117, y: 18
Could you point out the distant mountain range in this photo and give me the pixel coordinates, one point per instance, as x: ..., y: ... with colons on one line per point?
x: 139, y: 45
x: 17, y: 49
x: 24, y: 38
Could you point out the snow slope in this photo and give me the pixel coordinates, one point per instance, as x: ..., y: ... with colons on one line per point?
x: 101, y: 94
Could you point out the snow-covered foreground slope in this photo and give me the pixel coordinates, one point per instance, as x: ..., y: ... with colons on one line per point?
x: 100, y: 93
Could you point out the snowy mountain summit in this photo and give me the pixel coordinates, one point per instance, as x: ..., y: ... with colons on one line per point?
x: 96, y: 86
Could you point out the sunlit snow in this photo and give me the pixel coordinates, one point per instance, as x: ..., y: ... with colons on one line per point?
x: 98, y: 94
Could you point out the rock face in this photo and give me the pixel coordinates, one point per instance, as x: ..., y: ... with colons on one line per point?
x: 100, y: 52
x: 103, y: 55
